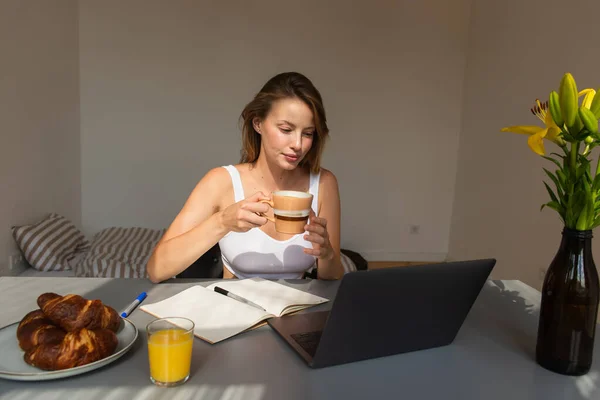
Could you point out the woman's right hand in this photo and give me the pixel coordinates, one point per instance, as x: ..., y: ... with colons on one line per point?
x: 243, y: 215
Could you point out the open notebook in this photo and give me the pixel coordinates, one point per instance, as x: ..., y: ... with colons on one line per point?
x: 218, y: 317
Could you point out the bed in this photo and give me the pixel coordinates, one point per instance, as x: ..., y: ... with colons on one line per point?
x: 55, y: 247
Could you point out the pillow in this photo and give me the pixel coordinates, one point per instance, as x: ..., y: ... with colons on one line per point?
x: 119, y: 253
x: 50, y: 244
x: 358, y: 261
x: 347, y: 263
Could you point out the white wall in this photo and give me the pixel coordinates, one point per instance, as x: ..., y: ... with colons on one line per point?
x: 163, y: 83
x: 518, y: 51
x: 39, y: 115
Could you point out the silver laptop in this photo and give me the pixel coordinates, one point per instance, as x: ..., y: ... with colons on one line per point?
x: 387, y: 311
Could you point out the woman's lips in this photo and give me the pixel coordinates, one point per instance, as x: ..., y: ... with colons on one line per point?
x: 291, y: 157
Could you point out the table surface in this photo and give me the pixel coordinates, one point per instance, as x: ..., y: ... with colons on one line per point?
x: 492, y: 356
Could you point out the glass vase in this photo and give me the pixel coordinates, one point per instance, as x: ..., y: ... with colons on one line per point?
x: 569, y: 307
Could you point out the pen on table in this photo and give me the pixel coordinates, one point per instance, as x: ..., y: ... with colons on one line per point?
x: 125, y: 313
x: 236, y: 297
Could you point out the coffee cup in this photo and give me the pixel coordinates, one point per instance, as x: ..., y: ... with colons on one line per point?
x: 290, y: 210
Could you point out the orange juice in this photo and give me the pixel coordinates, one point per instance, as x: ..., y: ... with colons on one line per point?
x: 170, y: 355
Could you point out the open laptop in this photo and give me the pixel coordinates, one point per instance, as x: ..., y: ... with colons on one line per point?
x: 387, y: 311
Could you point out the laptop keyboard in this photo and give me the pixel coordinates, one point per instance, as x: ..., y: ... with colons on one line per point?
x: 308, y: 341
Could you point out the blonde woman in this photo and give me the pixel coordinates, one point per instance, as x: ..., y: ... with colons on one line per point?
x: 283, y: 136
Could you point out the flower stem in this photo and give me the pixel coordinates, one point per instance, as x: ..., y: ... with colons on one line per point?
x: 574, y: 148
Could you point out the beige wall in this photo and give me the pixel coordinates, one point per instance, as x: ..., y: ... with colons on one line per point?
x: 163, y: 83
x: 159, y: 80
x: 39, y: 115
x: 518, y: 51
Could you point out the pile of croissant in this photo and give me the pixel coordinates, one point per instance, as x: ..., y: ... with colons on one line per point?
x: 67, y: 331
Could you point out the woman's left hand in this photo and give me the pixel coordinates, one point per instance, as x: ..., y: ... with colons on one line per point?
x: 318, y: 236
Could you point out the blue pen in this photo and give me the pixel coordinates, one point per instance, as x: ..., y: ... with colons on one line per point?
x: 133, y: 305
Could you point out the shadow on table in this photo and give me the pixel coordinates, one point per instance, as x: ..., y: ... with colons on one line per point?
x: 505, y: 319
x: 503, y: 314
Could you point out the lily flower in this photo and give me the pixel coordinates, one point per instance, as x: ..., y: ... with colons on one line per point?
x: 589, y: 96
x: 537, y: 134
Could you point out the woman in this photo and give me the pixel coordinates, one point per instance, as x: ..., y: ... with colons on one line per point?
x: 284, y: 132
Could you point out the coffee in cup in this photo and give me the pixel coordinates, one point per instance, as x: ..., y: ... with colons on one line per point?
x: 290, y: 209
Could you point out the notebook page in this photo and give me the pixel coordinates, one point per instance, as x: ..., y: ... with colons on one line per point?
x: 216, y: 317
x: 273, y: 296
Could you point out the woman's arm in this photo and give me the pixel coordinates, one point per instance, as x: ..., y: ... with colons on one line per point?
x: 194, y: 231
x: 327, y: 229
x: 201, y: 223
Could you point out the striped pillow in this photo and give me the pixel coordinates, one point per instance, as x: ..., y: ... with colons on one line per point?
x: 347, y: 263
x: 119, y: 253
x: 50, y: 244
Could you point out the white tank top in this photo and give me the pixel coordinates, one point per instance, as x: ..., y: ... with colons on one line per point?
x: 254, y: 253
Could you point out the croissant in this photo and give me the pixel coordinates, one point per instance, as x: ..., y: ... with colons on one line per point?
x: 78, y: 348
x: 35, y: 328
x: 72, y: 312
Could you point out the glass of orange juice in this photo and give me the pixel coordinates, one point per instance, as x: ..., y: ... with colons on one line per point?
x: 170, y: 343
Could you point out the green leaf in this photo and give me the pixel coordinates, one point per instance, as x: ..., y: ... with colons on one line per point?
x: 586, y: 215
x: 554, y: 161
x: 556, y: 207
x: 555, y: 180
x: 567, y: 172
x: 551, y: 193
x: 580, y: 197
x: 561, y: 177
x: 582, y: 220
x: 575, y: 204
x: 568, y: 137
x: 584, y: 161
x: 590, y: 209
x: 583, y: 168
x: 587, y: 187
x: 596, y: 183
x: 553, y: 205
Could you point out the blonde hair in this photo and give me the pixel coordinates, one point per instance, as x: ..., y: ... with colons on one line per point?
x: 282, y: 86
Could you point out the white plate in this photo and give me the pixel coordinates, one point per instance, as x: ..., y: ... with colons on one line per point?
x: 12, y: 365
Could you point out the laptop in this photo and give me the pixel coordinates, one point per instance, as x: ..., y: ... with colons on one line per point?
x: 388, y: 311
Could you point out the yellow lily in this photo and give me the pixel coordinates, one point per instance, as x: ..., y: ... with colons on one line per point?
x: 589, y: 96
x: 537, y: 134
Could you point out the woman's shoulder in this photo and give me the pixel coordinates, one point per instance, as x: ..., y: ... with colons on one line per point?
x: 216, y: 180
x: 327, y: 178
x: 220, y: 177
x: 221, y: 172
x: 329, y: 192
x: 216, y: 175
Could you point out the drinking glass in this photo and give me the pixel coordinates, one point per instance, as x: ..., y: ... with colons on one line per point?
x: 170, y: 343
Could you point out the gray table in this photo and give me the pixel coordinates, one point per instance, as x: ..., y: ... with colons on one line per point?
x: 491, y: 358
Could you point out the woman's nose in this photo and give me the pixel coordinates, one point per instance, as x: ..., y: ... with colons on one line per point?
x: 297, y: 141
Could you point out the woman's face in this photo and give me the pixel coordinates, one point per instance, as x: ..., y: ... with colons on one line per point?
x: 287, y: 132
